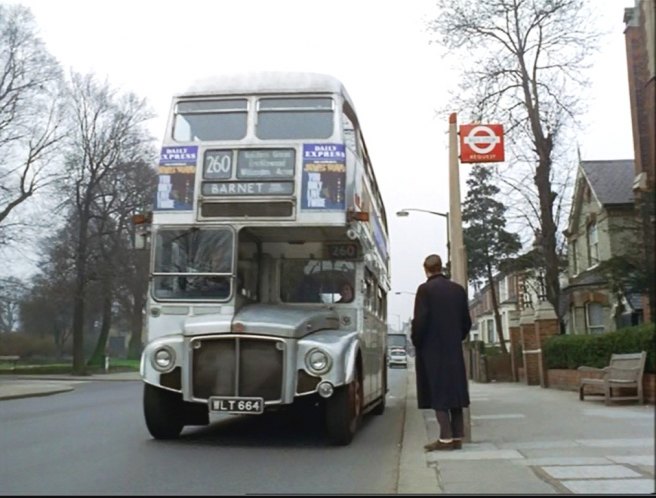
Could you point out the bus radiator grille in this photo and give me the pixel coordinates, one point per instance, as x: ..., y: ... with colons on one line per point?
x: 236, y: 366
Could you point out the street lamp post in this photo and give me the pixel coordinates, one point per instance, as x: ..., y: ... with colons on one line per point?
x: 459, y: 270
x: 398, y: 293
x: 406, y: 212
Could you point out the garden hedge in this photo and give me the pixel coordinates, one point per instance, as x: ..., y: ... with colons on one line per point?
x: 572, y: 351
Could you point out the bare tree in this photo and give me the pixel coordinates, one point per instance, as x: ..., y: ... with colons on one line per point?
x: 108, y: 128
x: 46, y: 308
x: 525, y: 68
x: 11, y: 293
x: 138, y: 184
x: 122, y: 271
x: 31, y: 122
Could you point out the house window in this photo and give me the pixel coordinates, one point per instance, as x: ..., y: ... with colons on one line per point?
x: 575, y: 259
x: 572, y: 320
x: 503, y: 290
x: 594, y: 318
x: 512, y: 288
x: 491, y: 337
x: 593, y: 244
x: 525, y: 296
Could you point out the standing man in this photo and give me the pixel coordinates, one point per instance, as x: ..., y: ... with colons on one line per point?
x: 441, y: 322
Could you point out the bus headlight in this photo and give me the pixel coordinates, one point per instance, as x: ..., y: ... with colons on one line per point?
x: 317, y: 361
x: 325, y: 389
x: 163, y: 359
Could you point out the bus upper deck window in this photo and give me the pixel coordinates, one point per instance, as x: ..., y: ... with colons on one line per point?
x: 294, y: 118
x: 206, y: 120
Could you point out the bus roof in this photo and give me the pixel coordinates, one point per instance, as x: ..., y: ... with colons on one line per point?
x: 257, y: 82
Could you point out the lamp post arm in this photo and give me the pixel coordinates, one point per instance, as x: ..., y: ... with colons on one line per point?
x: 445, y: 215
x: 404, y: 212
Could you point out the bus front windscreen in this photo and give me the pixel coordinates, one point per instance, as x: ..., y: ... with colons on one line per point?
x: 193, y: 264
x: 317, y: 281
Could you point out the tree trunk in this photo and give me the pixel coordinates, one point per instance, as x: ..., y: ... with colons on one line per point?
x: 495, y: 308
x: 79, y: 365
x: 136, y: 326
x: 544, y: 147
x: 60, y: 336
x: 548, y: 240
x: 98, y: 356
x: 139, y: 290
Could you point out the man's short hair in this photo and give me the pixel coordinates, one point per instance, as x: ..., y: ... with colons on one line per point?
x: 433, y: 263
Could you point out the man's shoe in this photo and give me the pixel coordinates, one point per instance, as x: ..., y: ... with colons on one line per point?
x: 457, y: 444
x: 438, y: 446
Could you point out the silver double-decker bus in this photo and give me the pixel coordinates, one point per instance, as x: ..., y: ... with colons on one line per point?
x: 269, y: 258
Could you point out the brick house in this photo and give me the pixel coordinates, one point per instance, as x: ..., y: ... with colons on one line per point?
x: 511, y: 290
x: 484, y: 329
x: 640, y: 37
x: 601, y: 225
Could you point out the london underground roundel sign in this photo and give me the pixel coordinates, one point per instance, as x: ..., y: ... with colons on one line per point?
x: 481, y: 143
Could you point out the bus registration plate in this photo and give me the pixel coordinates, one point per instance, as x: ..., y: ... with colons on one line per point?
x: 236, y: 405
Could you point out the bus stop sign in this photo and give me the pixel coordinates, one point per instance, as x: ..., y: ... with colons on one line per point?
x: 481, y: 143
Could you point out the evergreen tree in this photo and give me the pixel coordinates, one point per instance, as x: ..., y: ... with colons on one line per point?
x: 488, y: 243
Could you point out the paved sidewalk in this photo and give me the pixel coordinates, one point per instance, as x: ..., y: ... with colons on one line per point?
x: 531, y: 440
x: 24, y: 386
x: 524, y: 440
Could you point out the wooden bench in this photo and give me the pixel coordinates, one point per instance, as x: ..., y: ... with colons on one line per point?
x: 13, y: 359
x: 623, y: 372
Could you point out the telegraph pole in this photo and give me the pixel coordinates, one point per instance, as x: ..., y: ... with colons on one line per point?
x: 458, y: 253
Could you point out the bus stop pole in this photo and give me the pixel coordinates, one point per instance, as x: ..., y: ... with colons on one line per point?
x: 458, y: 252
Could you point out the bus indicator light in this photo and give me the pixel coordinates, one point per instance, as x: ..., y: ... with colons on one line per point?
x: 357, y: 216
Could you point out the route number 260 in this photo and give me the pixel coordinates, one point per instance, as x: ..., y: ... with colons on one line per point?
x: 218, y: 164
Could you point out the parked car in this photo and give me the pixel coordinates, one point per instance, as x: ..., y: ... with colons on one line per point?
x: 397, y: 356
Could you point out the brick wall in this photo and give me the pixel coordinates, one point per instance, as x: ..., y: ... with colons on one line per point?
x: 521, y: 375
x: 531, y: 356
x: 499, y: 368
x: 642, y: 95
x: 516, y: 361
x: 568, y: 380
x: 543, y: 330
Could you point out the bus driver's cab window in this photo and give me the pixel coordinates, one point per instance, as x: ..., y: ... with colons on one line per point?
x: 316, y: 281
x: 193, y: 264
x: 346, y: 293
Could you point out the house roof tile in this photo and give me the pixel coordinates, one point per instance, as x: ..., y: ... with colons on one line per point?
x: 611, y: 181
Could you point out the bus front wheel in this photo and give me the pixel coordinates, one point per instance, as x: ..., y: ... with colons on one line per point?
x: 163, y: 411
x: 344, y: 412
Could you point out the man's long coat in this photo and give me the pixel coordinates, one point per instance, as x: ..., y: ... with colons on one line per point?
x: 441, y: 322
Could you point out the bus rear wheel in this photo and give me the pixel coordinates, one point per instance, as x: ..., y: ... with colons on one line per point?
x: 163, y: 411
x: 344, y: 412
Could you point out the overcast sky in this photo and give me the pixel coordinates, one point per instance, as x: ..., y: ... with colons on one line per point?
x: 378, y: 49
